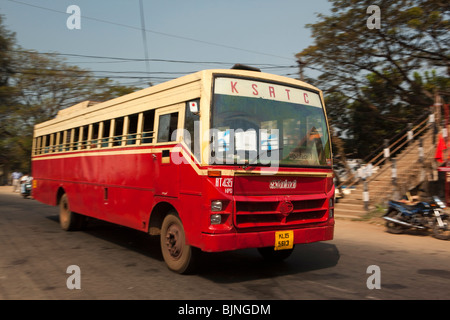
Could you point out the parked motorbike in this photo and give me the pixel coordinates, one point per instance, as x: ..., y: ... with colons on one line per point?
x: 26, y: 190
x: 402, y: 216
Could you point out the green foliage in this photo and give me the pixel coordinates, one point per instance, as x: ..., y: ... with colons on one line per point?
x: 377, y: 80
x: 33, y: 88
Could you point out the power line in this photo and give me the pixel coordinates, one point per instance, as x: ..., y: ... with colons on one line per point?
x: 109, y: 74
x: 100, y: 71
x: 129, y: 74
x: 155, y: 32
x: 39, y: 73
x: 122, y: 59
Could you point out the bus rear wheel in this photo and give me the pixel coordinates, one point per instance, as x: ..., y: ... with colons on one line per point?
x: 178, y: 256
x: 68, y: 220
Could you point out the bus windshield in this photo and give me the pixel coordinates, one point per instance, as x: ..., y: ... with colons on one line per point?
x: 258, y: 123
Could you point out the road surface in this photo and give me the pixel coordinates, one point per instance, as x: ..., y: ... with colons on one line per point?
x: 118, y: 263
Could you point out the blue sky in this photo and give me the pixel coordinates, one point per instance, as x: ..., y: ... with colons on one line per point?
x: 257, y: 32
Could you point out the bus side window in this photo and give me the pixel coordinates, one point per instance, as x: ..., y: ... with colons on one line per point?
x: 39, y: 145
x: 61, y: 141
x: 59, y: 136
x: 148, y: 127
x: 105, y: 134
x: 132, y: 129
x: 94, y: 138
x: 67, y: 140
x: 84, y: 137
x: 50, y: 143
x: 167, y: 125
x: 75, y: 139
x: 46, y: 143
x: 118, y: 132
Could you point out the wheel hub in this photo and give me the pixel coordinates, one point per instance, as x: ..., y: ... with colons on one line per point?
x: 173, y: 241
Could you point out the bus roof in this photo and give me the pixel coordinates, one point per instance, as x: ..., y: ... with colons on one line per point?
x: 188, y: 85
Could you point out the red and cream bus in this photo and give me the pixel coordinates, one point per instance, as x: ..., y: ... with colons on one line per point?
x: 213, y: 161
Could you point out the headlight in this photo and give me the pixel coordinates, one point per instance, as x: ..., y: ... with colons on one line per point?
x: 439, y: 202
x: 330, y: 208
x: 216, y: 219
x: 216, y: 205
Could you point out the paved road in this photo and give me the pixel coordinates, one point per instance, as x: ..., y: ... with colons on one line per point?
x: 119, y: 263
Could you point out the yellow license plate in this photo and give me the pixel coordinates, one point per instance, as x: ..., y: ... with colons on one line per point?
x: 284, y: 240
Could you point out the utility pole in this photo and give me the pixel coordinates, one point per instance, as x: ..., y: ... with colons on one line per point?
x: 301, y: 65
x: 144, y: 40
x: 435, y: 117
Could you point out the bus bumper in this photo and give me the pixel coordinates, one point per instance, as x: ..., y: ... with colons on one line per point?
x: 234, y: 241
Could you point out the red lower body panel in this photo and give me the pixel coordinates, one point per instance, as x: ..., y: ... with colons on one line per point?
x: 234, y: 241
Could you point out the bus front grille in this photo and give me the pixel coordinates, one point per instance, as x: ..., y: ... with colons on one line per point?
x: 255, y: 212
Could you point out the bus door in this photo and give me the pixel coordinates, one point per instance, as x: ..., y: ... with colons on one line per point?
x: 166, y: 176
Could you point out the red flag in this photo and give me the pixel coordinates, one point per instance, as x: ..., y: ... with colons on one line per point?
x: 440, y: 149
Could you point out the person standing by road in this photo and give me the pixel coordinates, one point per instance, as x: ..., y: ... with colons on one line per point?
x: 15, y: 177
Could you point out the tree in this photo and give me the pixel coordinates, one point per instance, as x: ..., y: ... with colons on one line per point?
x: 43, y: 85
x: 378, y: 80
x: 33, y: 88
x: 7, y: 41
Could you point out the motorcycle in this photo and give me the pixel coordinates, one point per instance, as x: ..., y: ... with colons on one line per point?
x: 26, y: 190
x: 422, y: 215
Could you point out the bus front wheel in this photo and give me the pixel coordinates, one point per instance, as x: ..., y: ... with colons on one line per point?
x: 178, y: 256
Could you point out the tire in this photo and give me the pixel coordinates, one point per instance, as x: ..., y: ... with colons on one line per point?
x: 393, y: 227
x: 269, y: 254
x: 68, y: 220
x: 442, y: 233
x: 178, y: 256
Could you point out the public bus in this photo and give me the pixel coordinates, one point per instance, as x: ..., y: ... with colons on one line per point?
x: 213, y: 161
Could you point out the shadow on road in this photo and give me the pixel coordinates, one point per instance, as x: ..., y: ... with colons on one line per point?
x: 247, y: 265
x: 122, y: 236
x: 222, y: 267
